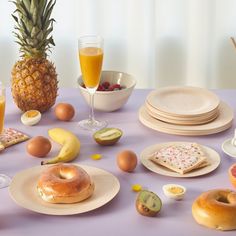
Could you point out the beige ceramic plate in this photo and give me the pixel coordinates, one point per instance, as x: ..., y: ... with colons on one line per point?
x: 23, y: 192
x: 177, y: 121
x: 221, y: 123
x: 180, y: 118
x: 212, y: 157
x: 183, y: 101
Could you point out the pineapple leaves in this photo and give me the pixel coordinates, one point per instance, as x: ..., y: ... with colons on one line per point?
x: 34, y: 26
x: 27, y: 5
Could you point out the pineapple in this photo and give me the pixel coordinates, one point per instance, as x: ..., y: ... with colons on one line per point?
x: 34, y: 82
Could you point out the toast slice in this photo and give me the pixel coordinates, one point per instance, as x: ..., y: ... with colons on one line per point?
x: 181, y: 158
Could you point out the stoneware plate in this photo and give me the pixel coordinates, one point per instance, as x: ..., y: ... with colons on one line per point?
x: 221, y: 123
x: 212, y: 157
x: 177, y: 121
x: 183, y: 101
x: 23, y: 191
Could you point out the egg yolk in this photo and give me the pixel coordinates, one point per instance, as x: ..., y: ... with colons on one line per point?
x: 175, y: 190
x: 32, y: 113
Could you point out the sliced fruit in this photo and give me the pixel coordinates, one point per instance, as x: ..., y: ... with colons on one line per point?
x: 148, y: 203
x: 107, y: 136
x: 232, y: 174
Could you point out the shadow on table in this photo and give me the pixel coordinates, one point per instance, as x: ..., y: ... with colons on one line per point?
x: 18, y: 220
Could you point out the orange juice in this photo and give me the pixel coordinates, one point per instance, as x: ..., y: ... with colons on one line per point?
x: 91, y: 65
x: 2, y: 112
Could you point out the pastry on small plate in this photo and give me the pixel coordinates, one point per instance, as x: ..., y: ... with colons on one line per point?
x: 181, y: 158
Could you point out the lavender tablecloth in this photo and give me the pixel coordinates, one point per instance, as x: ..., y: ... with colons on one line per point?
x: 118, y: 217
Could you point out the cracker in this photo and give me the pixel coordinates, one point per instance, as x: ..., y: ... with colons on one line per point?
x: 10, y: 137
x: 180, y: 158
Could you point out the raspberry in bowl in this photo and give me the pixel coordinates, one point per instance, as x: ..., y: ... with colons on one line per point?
x: 113, y: 91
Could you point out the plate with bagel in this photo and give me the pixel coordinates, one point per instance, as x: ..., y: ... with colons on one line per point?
x: 60, y: 190
x: 180, y: 159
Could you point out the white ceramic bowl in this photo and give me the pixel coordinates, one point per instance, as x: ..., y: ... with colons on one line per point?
x: 110, y: 100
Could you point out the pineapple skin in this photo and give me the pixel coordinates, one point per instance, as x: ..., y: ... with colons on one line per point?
x: 34, y: 84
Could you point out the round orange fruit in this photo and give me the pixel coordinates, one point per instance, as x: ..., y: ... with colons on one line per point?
x: 232, y: 174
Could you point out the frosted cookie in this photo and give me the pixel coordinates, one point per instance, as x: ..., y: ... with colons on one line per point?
x: 180, y: 158
x: 10, y: 137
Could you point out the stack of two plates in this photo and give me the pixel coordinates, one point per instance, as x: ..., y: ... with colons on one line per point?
x: 185, y: 111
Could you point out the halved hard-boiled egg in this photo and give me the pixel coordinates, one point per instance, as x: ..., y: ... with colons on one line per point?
x: 174, y: 191
x: 31, y: 117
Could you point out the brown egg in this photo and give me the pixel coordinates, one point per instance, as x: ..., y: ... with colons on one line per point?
x: 38, y: 146
x: 127, y: 160
x: 64, y: 111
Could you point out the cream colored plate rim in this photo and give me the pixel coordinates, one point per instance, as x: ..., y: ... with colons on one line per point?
x: 212, y: 156
x: 157, y: 99
x: 181, y: 122
x: 23, y: 192
x: 222, y: 122
x: 180, y: 118
x: 183, y: 117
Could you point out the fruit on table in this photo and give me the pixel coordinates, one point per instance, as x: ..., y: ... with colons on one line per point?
x: 38, y: 146
x: 64, y: 111
x: 106, y: 86
x: 34, y: 78
x: 148, y: 203
x: 127, y: 160
x: 70, y: 145
x: 107, y: 136
x: 31, y: 117
x: 232, y: 174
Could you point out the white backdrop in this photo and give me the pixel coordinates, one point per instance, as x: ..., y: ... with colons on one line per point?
x: 162, y: 42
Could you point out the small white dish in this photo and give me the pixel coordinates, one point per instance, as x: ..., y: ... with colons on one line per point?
x: 229, y: 148
x: 110, y: 100
x: 174, y: 191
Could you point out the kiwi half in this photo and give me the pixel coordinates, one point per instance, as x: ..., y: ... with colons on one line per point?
x: 148, y: 203
x: 107, y: 136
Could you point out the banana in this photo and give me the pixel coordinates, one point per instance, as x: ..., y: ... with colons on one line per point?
x: 70, y: 146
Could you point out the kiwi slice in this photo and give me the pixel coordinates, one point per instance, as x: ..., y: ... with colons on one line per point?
x: 148, y: 203
x: 107, y: 136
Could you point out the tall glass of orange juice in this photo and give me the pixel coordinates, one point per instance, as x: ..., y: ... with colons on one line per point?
x: 91, y: 58
x: 4, y: 179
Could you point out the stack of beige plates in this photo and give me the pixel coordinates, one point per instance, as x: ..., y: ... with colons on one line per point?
x: 185, y: 111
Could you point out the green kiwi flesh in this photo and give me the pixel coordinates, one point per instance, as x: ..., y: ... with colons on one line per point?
x: 107, y: 136
x: 148, y: 203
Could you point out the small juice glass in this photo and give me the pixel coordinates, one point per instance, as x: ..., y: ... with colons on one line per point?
x: 4, y: 179
x: 2, y: 107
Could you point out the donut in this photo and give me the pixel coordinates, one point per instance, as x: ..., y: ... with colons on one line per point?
x: 216, y: 209
x: 64, y: 183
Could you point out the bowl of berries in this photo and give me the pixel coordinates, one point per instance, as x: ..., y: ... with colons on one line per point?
x: 113, y: 91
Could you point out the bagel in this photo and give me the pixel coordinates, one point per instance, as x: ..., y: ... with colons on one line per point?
x: 65, y: 183
x: 216, y: 209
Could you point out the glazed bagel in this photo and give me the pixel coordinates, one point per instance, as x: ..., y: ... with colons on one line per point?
x: 65, y: 183
x: 216, y: 209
